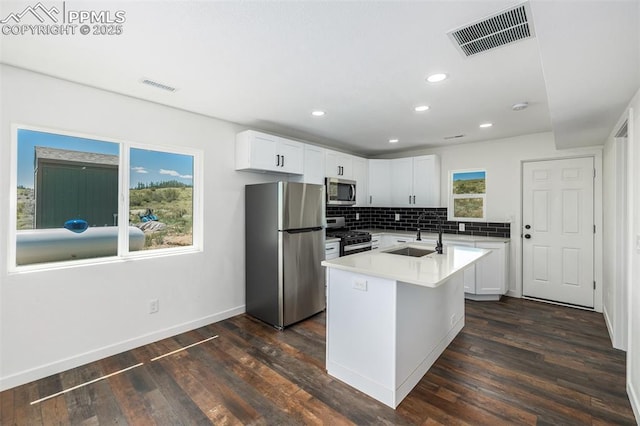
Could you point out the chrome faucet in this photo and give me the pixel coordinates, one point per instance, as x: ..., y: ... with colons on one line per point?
x: 439, y: 219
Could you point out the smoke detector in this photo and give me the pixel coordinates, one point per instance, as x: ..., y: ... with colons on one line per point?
x: 499, y: 29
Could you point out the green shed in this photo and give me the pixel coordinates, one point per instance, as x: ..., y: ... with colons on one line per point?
x: 75, y: 185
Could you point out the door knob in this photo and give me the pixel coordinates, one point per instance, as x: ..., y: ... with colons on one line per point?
x: 527, y: 236
x: 527, y: 227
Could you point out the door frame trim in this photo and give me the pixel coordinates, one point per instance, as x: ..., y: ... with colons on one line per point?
x: 596, y: 154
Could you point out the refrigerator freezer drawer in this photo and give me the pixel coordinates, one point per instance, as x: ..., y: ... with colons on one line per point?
x: 303, y: 286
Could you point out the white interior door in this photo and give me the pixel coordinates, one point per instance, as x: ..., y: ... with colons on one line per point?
x: 558, y: 230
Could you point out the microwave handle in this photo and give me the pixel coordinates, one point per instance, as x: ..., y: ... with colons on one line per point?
x: 352, y: 192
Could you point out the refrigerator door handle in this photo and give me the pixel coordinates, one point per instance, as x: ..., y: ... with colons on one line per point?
x: 299, y: 231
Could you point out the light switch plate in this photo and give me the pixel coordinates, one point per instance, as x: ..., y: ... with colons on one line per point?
x: 397, y: 216
x: 461, y: 227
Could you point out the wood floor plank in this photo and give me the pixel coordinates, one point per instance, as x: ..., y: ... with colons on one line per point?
x: 516, y: 362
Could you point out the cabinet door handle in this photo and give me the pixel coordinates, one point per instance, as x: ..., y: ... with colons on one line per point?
x: 278, y: 160
x: 414, y: 199
x: 409, y: 199
x: 282, y: 165
x: 370, y: 199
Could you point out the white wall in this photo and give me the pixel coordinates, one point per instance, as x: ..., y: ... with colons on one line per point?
x: 633, y: 336
x: 502, y: 159
x: 54, y: 320
x: 610, y: 308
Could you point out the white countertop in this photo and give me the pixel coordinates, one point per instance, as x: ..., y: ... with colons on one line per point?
x: 429, y: 271
x: 434, y: 236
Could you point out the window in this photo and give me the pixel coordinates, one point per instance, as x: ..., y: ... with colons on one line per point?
x: 68, y: 201
x: 161, y: 197
x: 467, y: 195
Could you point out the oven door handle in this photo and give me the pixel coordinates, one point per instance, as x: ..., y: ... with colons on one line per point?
x: 357, y: 246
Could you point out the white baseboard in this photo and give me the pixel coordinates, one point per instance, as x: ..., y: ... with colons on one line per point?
x: 515, y: 294
x: 42, y: 371
x: 607, y: 321
x: 635, y: 402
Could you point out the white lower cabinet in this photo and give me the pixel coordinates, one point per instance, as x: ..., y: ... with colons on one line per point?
x: 332, y: 250
x: 375, y: 241
x: 469, y: 279
x: 491, y: 273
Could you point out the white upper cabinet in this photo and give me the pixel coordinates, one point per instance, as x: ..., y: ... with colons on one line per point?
x: 313, y: 165
x: 402, y: 182
x: 405, y: 182
x: 379, y: 183
x: 268, y: 153
x: 426, y: 181
x: 361, y: 176
x: 338, y: 165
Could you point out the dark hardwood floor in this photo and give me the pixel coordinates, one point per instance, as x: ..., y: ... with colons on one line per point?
x: 515, y: 362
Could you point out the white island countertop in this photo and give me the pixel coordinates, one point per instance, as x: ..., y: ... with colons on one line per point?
x: 429, y: 271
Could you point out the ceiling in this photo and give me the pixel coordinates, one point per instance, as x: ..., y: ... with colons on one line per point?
x: 267, y: 65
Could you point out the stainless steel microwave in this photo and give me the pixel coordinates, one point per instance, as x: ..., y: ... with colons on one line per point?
x: 340, y: 191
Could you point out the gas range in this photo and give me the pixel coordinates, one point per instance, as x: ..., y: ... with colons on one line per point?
x: 351, y: 242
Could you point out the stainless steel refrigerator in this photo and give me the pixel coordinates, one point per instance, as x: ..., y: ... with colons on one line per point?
x: 284, y: 227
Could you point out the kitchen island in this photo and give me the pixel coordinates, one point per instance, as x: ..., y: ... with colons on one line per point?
x: 390, y: 316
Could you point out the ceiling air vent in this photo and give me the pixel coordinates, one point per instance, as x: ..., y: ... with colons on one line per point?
x: 158, y: 85
x: 496, y: 30
x: 624, y: 130
x: 448, y: 138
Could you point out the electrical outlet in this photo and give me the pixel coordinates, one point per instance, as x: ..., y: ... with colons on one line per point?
x: 357, y: 216
x: 154, y: 306
x: 461, y: 227
x: 397, y: 216
x: 360, y: 285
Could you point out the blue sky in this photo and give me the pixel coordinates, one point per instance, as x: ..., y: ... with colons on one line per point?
x: 146, y: 166
x: 154, y: 166
x: 469, y: 175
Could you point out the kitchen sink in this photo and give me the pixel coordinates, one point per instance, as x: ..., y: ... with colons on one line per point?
x: 411, y: 251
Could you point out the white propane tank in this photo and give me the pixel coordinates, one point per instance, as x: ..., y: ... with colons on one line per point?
x: 59, y: 244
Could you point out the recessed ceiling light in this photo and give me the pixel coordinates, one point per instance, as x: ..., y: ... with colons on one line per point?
x: 485, y: 125
x: 434, y: 78
x: 318, y: 113
x: 519, y: 106
x: 394, y: 140
x: 421, y: 108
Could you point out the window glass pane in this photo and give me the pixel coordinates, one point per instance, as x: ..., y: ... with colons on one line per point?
x: 469, y: 182
x: 67, y: 198
x: 468, y: 207
x: 161, y: 197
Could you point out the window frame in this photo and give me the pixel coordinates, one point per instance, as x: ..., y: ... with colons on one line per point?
x: 452, y: 197
x: 124, y: 169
